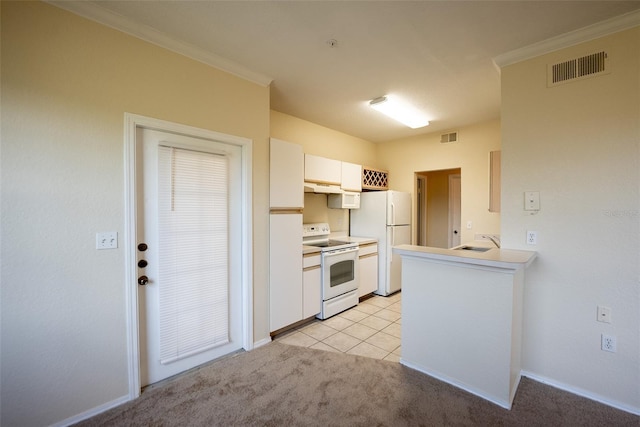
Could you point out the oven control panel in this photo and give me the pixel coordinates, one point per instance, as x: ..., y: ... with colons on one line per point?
x: 315, y: 229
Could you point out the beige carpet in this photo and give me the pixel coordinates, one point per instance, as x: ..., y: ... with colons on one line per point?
x: 282, y: 385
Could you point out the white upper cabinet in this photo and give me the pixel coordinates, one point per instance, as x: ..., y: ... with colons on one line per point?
x: 351, y: 177
x: 322, y: 170
x: 286, y: 174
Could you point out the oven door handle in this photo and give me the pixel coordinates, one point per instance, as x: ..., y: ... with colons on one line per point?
x: 340, y: 251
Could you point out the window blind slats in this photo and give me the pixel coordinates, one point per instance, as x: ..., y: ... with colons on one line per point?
x: 193, y: 236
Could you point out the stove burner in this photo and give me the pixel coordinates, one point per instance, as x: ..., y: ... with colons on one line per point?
x: 328, y: 244
x: 318, y: 235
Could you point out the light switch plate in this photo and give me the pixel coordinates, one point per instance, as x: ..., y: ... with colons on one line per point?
x: 604, y: 314
x: 107, y: 240
x: 531, y: 200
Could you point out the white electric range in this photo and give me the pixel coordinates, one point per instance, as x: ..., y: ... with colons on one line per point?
x: 339, y: 269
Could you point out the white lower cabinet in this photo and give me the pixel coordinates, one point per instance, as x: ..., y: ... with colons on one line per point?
x: 311, y: 286
x: 285, y: 268
x: 368, y: 258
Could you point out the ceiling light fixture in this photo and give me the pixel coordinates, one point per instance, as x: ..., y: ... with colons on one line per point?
x: 399, y: 111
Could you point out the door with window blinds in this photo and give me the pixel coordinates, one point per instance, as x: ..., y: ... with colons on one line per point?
x: 193, y: 259
x: 189, y: 294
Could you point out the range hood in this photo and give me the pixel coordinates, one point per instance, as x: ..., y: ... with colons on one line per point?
x: 312, y: 187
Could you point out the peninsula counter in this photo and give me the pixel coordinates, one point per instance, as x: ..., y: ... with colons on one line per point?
x: 462, y: 317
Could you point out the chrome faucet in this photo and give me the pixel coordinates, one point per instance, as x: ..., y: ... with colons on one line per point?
x: 495, y: 242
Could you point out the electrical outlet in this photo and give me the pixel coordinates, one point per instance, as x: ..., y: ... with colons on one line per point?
x: 532, y: 237
x: 608, y: 343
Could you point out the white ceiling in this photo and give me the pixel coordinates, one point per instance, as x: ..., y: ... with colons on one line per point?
x: 436, y: 54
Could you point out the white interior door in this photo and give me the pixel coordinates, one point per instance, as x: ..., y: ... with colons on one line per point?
x: 421, y: 210
x: 190, y: 289
x: 454, y: 210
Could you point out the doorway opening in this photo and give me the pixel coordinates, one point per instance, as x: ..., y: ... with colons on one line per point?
x: 438, y: 207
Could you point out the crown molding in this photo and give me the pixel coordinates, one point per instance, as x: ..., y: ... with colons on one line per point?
x: 592, y: 32
x: 105, y: 17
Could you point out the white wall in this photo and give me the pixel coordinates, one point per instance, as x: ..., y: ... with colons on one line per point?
x: 66, y: 84
x: 578, y: 144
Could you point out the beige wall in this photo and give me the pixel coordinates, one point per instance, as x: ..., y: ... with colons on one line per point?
x: 403, y: 158
x: 66, y: 84
x: 321, y: 141
x: 578, y: 144
x: 316, y: 210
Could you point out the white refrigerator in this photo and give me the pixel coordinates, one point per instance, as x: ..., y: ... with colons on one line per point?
x: 386, y: 216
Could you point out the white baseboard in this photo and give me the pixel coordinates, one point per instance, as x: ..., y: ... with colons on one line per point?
x: 119, y: 401
x: 261, y: 342
x: 583, y: 393
x: 91, y: 412
x: 454, y: 382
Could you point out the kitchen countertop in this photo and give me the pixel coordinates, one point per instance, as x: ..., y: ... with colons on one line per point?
x: 306, y: 249
x: 494, y: 257
x: 353, y: 239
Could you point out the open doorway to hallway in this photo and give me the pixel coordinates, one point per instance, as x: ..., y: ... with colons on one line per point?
x: 438, y: 207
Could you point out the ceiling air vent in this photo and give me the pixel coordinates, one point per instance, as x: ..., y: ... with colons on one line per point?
x: 449, y: 137
x: 577, y: 69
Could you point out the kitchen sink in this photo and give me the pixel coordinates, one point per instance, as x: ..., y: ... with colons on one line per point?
x: 472, y: 248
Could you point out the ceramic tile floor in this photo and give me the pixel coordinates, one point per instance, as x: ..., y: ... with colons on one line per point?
x: 371, y: 329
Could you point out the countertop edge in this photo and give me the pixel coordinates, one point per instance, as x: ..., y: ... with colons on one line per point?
x: 356, y: 239
x: 306, y: 249
x: 511, y: 259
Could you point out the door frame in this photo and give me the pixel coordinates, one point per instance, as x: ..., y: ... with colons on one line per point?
x: 455, y: 201
x: 421, y: 209
x: 131, y: 123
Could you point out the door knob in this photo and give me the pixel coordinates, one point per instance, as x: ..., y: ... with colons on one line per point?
x: 143, y: 280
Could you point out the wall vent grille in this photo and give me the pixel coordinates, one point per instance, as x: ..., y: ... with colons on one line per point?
x: 449, y: 137
x: 577, y: 69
